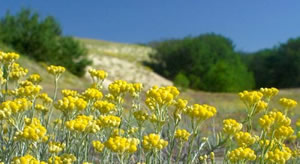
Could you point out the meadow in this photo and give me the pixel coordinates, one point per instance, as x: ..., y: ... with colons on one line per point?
x: 51, y: 116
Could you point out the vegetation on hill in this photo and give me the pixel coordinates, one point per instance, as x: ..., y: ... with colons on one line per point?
x: 207, y: 62
x: 278, y: 66
x: 42, y: 40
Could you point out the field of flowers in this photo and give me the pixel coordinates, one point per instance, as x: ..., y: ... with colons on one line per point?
x: 125, y: 124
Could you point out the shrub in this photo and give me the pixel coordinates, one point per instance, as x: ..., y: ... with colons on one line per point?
x: 181, y: 80
x: 42, y: 39
x: 197, y: 57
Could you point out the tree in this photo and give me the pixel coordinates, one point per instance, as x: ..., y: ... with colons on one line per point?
x: 42, y: 40
x: 200, y: 60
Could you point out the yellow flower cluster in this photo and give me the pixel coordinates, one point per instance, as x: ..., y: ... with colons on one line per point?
x: 140, y: 116
x: 117, y: 132
x: 135, y: 88
x: 278, y: 156
x: 33, y: 131
x: 261, y: 106
x: 283, y: 132
x: 122, y: 145
x: 241, y: 154
x: 200, y: 112
x: 269, y: 92
x: 45, y: 98
x: 266, y: 143
x: 34, y: 78
x: 250, y: 98
x: 10, y: 107
x: 56, y: 147
x: 159, y: 97
x: 244, y: 139
x: 56, y: 70
x: 118, y: 87
x: 98, y: 146
x: 92, y: 94
x: 231, y: 126
x: 109, y: 121
x: 68, y: 92
x: 182, y: 135
x: 83, y: 123
x: 153, y: 142
x: 288, y: 103
x: 9, y: 57
x: 98, y: 74
x: 70, y: 104
x: 17, y: 71
x: 274, y: 118
x: 30, y: 91
x: 41, y: 108
x: 63, y: 159
x: 104, y: 106
x: 27, y: 159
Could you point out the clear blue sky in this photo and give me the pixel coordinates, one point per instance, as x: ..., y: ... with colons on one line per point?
x: 251, y: 24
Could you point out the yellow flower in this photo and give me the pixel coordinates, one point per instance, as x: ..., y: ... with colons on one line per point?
x: 104, y: 107
x: 250, y: 98
x: 56, y: 70
x: 68, y: 92
x: 269, y: 92
x: 241, y: 154
x: 274, y: 118
x: 135, y: 88
x: 7, y: 58
x: 34, y: 131
x: 70, y: 104
x: 200, y: 112
x: 83, y: 123
x: 118, y: 88
x: 56, y: 147
x: 27, y: 159
x: 278, y: 156
x: 261, y: 106
x: 92, y: 94
x: 45, y: 98
x: 153, y: 142
x: 283, y: 132
x: 182, y: 135
x: 109, y: 121
x: 17, y: 71
x: 98, y: 74
x: 244, y: 139
x: 117, y: 132
x: 231, y: 126
x: 140, y: 116
x: 287, y: 103
x: 34, y: 78
x: 267, y: 143
x: 41, y: 108
x: 122, y: 145
x: 28, y: 91
x: 98, y: 146
x: 65, y: 158
x: 160, y: 97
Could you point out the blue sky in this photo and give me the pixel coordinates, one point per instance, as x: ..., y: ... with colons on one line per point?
x: 251, y: 24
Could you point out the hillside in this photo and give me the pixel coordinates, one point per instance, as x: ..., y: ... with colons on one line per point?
x: 68, y: 80
x: 123, y: 61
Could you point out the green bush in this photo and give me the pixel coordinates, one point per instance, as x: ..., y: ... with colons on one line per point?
x: 276, y: 67
x: 181, y: 81
x: 42, y: 39
x: 208, y: 61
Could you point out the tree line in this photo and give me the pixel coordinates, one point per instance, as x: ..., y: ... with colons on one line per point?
x: 210, y: 62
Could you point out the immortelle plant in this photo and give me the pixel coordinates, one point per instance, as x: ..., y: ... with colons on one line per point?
x: 127, y: 126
